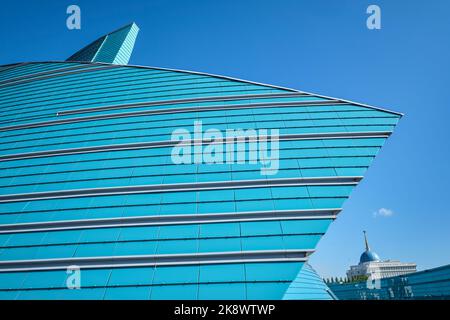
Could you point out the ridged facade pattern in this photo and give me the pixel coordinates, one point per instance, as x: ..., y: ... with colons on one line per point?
x: 115, y: 47
x: 308, y: 285
x: 428, y: 284
x: 87, y: 180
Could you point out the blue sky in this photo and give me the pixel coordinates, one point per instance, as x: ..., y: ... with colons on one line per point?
x: 317, y: 46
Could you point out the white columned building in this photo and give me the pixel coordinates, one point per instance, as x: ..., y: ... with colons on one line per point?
x: 370, y: 264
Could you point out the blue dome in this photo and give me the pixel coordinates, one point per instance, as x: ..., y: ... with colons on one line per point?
x: 368, y: 256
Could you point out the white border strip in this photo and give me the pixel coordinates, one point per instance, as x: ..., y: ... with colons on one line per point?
x: 181, y: 187
x: 225, y: 77
x: 156, y: 260
x: 169, y: 143
x: 176, y: 219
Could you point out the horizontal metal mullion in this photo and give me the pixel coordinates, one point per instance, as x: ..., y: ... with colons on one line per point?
x: 156, y: 260
x: 170, y: 111
x: 12, y: 66
x: 113, y: 86
x: 235, y: 79
x: 18, y: 80
x: 169, y: 143
x: 169, y: 220
x: 177, y: 101
x: 108, y: 78
x: 161, y: 90
x: 49, y: 76
x: 180, y: 187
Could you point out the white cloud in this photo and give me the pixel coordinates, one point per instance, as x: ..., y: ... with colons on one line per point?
x: 383, y: 212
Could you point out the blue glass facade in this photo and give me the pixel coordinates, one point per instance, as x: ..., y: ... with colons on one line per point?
x: 87, y: 180
x: 308, y: 285
x: 115, y: 47
x: 422, y: 285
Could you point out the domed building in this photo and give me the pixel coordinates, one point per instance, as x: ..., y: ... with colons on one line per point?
x: 371, y: 265
x: 368, y: 256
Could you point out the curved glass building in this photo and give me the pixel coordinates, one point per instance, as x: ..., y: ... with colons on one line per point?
x: 93, y: 205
